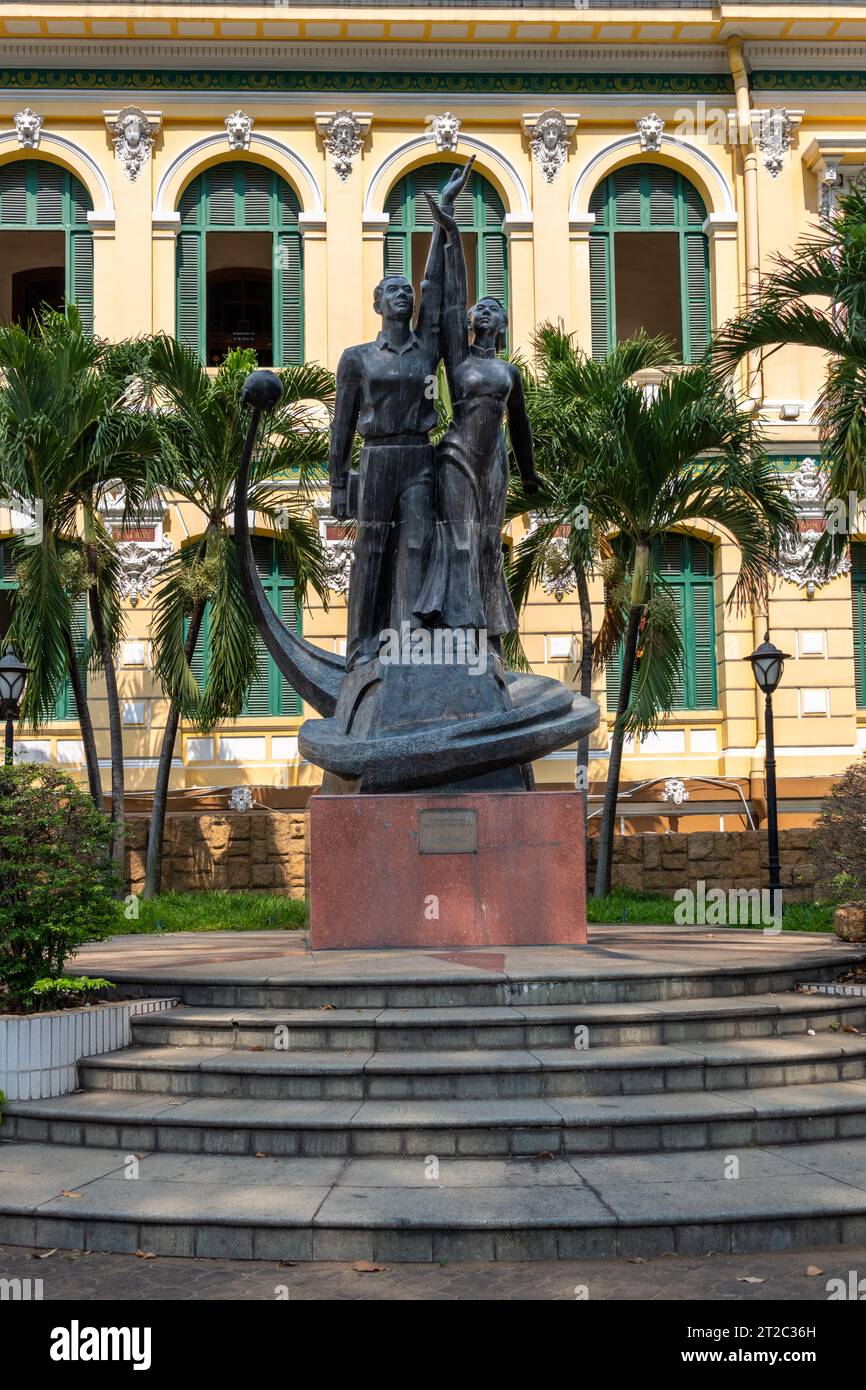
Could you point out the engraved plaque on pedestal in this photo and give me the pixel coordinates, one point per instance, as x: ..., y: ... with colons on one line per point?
x: 447, y: 832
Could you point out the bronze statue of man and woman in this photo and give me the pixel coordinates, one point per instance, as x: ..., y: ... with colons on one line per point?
x: 428, y: 549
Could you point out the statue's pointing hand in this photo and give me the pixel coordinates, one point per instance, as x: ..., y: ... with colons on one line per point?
x: 456, y: 184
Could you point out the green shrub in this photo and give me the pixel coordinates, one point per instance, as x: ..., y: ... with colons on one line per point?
x: 57, y: 880
x: 840, y: 837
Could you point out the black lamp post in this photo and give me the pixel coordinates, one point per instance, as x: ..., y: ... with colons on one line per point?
x: 768, y: 664
x: 13, y: 677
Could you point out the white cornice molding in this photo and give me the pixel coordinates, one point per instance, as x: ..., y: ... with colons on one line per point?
x: 838, y: 149
x: 380, y: 57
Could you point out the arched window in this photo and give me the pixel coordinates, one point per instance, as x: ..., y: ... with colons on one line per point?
x: 858, y: 602
x: 270, y: 692
x: 65, y: 707
x: 686, y: 564
x: 479, y: 213
x: 53, y: 262
x: 239, y: 266
x: 649, y: 261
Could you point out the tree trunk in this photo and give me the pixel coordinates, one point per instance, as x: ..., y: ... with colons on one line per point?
x: 585, y: 677
x: 115, y: 728
x: 88, y: 738
x: 156, y: 829
x: 611, y: 791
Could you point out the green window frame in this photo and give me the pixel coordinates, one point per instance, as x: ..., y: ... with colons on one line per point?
x: 687, y: 566
x: 858, y: 607
x: 241, y: 197
x: 649, y: 198
x: 38, y: 196
x: 270, y: 693
x: 478, y: 209
x: 65, y: 707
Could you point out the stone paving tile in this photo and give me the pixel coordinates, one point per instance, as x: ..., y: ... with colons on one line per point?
x: 458, y: 1172
x: 91, y: 1277
x: 168, y: 1202
x: 455, y: 1208
x: 623, y: 951
x: 695, y: 1165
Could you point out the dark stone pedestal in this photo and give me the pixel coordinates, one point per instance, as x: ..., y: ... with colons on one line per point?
x: 463, y: 869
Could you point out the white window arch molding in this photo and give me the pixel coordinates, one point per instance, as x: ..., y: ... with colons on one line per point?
x: 692, y: 162
x: 196, y: 157
x: 401, y: 160
x: 76, y: 161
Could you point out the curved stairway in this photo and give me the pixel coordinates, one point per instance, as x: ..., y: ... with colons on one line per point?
x: 475, y: 1115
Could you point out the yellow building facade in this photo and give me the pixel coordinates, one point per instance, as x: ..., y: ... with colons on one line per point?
x: 244, y: 174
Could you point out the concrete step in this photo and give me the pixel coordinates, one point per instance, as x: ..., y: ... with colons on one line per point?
x: 693, y: 1119
x: 316, y: 985
x: 483, y: 1075
x: 460, y: 1028
x: 402, y: 1209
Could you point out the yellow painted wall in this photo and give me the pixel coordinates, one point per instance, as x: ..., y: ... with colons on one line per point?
x: 547, y: 225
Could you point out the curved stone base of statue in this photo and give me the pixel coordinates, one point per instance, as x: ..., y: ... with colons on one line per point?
x: 403, y: 728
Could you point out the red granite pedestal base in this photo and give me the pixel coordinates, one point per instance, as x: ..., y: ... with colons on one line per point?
x: 464, y: 869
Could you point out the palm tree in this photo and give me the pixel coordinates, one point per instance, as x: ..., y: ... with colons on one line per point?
x: 203, y: 433
x: 829, y: 265
x: 68, y: 438
x: 645, y: 460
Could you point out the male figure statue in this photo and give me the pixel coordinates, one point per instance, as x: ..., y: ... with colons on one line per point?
x: 386, y: 392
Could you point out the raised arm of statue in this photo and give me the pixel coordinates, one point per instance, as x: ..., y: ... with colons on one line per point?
x: 430, y: 309
x: 455, y: 329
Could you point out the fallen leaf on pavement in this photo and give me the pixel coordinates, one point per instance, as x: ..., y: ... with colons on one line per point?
x: 45, y: 1254
x: 323, y: 1008
x: 144, y: 1255
x: 813, y: 1270
x: 64, y: 1193
x: 750, y: 1279
x: 364, y: 1267
x: 545, y: 1156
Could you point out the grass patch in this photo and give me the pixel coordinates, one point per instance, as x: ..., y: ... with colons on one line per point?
x: 216, y: 911
x: 655, y: 909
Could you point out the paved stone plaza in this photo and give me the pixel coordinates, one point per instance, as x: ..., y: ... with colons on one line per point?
x: 727, y: 1278
x: 661, y: 1090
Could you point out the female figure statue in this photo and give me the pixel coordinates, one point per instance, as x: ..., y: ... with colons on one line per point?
x: 465, y: 585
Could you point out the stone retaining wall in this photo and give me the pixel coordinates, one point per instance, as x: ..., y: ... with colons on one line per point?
x: 252, y: 849
x: 267, y: 850
x: 721, y: 858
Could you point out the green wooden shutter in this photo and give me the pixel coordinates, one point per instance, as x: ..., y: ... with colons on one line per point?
x: 600, y: 297
x: 397, y: 246
x: 190, y: 292
x: 686, y: 565
x: 697, y: 296
x: 241, y: 197
x: 858, y: 606
x: 270, y: 693
x: 702, y: 656
x: 79, y: 276
x: 66, y: 706
x: 643, y: 198
x: 13, y: 194
x: 290, y: 702
x: 201, y: 652
x: 287, y: 299
x: 36, y: 194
